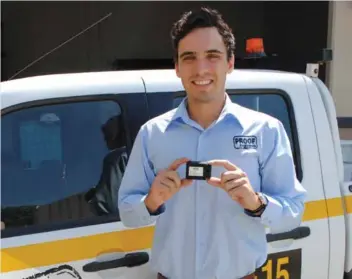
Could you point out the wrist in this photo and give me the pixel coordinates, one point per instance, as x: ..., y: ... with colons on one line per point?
x: 256, y: 203
x: 151, y: 204
x: 259, y: 208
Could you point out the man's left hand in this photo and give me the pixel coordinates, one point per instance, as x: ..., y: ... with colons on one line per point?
x: 236, y: 183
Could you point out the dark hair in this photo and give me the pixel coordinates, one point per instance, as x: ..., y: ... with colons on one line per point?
x: 201, y: 18
x: 114, y: 132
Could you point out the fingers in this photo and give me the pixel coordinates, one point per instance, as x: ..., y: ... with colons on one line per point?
x: 229, y: 184
x: 214, y: 181
x: 175, y: 164
x: 169, y: 183
x: 178, y: 181
x: 231, y: 175
x: 233, y: 184
x: 226, y: 177
x: 223, y: 163
x: 173, y: 176
x: 237, y: 193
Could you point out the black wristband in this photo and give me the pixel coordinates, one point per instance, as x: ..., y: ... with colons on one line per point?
x: 260, y: 209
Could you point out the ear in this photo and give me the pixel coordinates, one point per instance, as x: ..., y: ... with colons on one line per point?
x: 231, y: 64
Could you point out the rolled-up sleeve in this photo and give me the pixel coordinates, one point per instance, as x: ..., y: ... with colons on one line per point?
x: 135, y: 185
x: 286, y: 196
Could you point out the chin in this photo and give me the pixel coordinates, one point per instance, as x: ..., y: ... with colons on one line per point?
x: 203, y: 97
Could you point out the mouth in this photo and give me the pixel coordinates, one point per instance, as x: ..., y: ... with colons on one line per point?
x: 202, y: 82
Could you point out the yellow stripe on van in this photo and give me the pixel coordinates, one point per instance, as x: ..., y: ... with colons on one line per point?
x: 322, y: 209
x: 74, y: 249
x: 348, y: 204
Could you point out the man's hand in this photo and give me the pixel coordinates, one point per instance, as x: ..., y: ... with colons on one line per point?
x: 235, y: 182
x: 165, y: 185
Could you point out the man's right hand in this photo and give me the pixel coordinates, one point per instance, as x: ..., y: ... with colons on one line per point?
x: 165, y: 185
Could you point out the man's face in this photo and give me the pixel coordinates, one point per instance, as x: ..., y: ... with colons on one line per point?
x: 203, y: 65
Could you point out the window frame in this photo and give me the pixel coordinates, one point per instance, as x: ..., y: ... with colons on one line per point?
x: 347, y: 143
x: 291, y: 118
x: 88, y: 221
x: 346, y: 164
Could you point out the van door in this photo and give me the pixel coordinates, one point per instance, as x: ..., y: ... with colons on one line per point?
x: 347, y: 196
x: 62, y: 162
x: 293, y: 254
x: 336, y: 187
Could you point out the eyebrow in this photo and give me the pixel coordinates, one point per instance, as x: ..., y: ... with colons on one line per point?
x: 193, y: 53
x: 183, y: 54
x: 214, y: 51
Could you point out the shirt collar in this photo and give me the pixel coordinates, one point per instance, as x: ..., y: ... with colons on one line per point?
x: 230, y: 109
x: 180, y: 112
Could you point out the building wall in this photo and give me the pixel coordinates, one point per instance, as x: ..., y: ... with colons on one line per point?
x: 346, y: 133
x: 135, y: 30
x: 140, y: 30
x: 339, y: 71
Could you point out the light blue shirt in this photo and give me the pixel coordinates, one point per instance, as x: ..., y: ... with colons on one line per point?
x: 201, y: 232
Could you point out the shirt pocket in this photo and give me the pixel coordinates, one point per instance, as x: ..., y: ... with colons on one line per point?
x: 246, y: 159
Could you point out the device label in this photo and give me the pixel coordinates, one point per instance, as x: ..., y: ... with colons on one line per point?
x: 195, y: 171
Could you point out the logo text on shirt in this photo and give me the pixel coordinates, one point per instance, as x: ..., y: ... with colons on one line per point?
x: 245, y: 142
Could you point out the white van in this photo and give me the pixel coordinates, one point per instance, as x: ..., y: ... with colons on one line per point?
x: 62, y: 134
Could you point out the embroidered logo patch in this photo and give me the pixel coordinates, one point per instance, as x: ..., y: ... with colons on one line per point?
x: 245, y: 142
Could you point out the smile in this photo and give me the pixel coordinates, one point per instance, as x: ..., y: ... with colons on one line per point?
x: 202, y: 82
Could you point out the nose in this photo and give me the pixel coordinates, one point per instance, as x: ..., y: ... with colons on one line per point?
x: 202, y: 67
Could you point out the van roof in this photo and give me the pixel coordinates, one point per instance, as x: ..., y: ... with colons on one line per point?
x: 65, y: 79
x: 105, y: 82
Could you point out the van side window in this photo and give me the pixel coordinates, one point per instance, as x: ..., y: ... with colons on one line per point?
x: 274, y: 104
x: 271, y: 104
x: 346, y: 148
x: 61, y: 162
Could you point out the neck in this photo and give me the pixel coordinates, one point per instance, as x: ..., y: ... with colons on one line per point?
x: 205, y: 113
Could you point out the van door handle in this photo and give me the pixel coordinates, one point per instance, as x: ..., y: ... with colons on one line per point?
x: 129, y: 260
x: 297, y: 233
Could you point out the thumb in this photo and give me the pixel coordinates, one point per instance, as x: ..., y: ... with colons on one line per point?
x: 214, y: 181
x: 178, y: 162
x: 186, y: 182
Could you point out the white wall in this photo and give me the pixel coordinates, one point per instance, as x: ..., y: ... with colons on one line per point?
x: 339, y: 72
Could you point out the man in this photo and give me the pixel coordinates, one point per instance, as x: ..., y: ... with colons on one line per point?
x: 103, y: 197
x: 213, y: 228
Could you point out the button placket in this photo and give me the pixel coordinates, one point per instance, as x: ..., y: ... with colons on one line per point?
x: 200, y: 213
x: 199, y: 206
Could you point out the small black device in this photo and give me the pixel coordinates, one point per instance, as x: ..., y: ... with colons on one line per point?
x: 198, y: 170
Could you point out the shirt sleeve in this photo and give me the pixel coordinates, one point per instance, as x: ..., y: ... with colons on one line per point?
x: 135, y: 185
x: 285, y: 194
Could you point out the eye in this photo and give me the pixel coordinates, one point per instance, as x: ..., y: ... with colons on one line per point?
x: 188, y: 58
x: 213, y: 56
